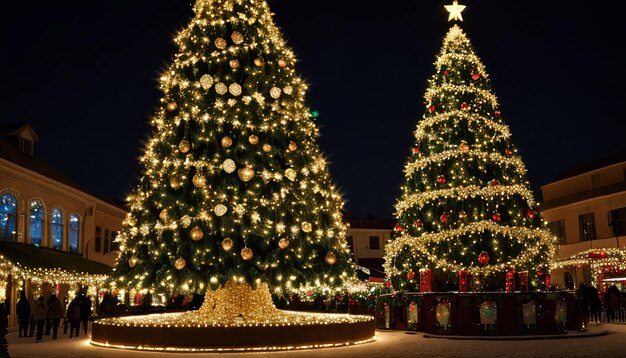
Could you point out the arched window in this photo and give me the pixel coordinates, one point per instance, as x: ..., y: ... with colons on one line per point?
x: 74, y: 225
x: 57, y: 229
x: 36, y: 222
x: 8, y: 214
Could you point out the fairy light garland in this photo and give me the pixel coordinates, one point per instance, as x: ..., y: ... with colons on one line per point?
x: 419, y: 200
x: 597, y: 259
x: 40, y: 275
x: 494, y: 158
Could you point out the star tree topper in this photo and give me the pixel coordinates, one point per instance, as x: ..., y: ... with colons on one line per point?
x: 455, y: 11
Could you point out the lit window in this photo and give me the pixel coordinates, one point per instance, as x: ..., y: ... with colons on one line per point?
x: 74, y: 226
x: 8, y: 209
x: 36, y: 222
x: 57, y: 229
x: 587, y: 227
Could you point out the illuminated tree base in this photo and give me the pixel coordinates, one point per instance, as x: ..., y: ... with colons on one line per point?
x: 236, y: 317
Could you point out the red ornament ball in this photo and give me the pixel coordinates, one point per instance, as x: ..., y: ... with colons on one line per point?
x: 410, y: 275
x: 441, y: 179
x: 431, y: 109
x: 496, y: 217
x: 397, y: 228
x: 494, y: 183
x: 418, y: 223
x: 497, y: 113
x: 508, y: 152
x: 530, y: 213
x: 416, y: 151
x: 464, y: 106
x: 446, y: 73
x: 443, y: 218
x: 475, y: 76
x: 483, y: 258
x: 387, y: 284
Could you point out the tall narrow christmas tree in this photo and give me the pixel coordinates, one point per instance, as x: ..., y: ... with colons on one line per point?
x: 466, y: 214
x: 235, y: 190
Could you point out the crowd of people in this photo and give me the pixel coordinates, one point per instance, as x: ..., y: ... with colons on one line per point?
x: 43, y: 317
x: 596, y: 307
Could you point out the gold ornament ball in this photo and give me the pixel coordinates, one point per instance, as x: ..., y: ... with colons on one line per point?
x: 199, y: 181
x: 283, y: 243
x: 330, y: 258
x: 267, y: 148
x: 206, y: 81
x: 258, y: 61
x: 180, y: 263
x: 234, y: 89
x: 237, y: 37
x: 220, y: 209
x: 254, y: 140
x: 307, y: 227
x: 227, y: 244
x: 282, y: 62
x: 245, y: 174
x: 184, y: 146
x: 164, y: 215
x: 196, y: 234
x: 246, y: 253
x: 293, y: 146
x: 291, y: 174
x: 462, y: 215
x: 133, y: 261
x: 275, y: 92
x: 220, y: 43
x: 464, y: 147
x: 229, y: 166
x: 172, y: 106
x: 227, y: 141
x: 234, y: 63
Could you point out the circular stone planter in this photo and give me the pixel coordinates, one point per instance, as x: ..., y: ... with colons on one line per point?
x: 186, y: 332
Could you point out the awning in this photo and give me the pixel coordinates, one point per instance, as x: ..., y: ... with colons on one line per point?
x: 40, y: 264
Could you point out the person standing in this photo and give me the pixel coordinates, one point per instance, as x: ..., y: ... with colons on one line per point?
x: 23, y: 314
x: 85, y: 310
x: 40, y: 313
x: 55, y: 312
x: 73, y: 315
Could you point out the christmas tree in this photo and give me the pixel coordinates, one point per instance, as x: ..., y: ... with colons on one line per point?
x: 466, y: 213
x: 234, y: 185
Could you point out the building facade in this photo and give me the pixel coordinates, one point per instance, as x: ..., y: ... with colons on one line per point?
x: 585, y: 207
x: 367, y: 238
x: 40, y: 208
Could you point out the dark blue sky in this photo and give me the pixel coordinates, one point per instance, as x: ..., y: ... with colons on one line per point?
x: 84, y: 75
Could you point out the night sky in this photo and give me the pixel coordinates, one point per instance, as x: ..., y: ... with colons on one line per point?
x: 84, y: 75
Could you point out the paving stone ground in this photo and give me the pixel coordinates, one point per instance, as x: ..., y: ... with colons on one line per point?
x: 388, y: 344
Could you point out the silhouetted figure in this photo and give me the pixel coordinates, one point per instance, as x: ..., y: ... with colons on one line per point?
x: 23, y: 315
x: 55, y: 312
x: 4, y: 324
x: 40, y: 314
x: 595, y: 305
x: 85, y: 310
x: 73, y: 315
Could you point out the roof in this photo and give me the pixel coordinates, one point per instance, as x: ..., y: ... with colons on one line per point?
x: 591, y: 166
x: 45, y: 258
x: 10, y: 152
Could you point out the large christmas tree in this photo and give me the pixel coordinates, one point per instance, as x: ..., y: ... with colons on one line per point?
x: 466, y: 214
x: 234, y: 185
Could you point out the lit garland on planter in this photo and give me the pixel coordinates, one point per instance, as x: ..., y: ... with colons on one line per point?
x: 232, y: 168
x: 466, y: 206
